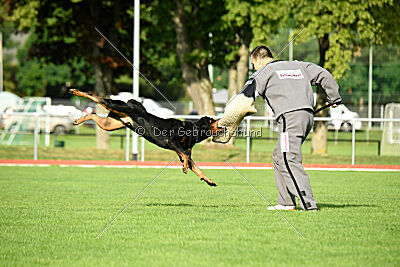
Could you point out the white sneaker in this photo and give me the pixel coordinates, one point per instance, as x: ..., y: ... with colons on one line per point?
x: 281, y: 207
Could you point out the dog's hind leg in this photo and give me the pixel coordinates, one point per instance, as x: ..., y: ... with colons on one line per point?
x: 108, y: 123
x: 83, y: 94
x: 98, y: 100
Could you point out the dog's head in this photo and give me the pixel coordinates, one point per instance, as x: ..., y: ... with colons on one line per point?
x: 207, y: 127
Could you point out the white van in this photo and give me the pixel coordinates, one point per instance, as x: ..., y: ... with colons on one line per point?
x: 61, y: 118
x: 341, y: 118
x: 150, y: 105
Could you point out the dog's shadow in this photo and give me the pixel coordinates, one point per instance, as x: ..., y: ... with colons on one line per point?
x: 320, y: 205
x: 179, y: 205
x: 343, y: 206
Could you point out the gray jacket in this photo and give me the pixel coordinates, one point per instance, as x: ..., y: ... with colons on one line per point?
x: 286, y: 85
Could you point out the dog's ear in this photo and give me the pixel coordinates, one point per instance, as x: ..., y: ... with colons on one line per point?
x: 204, y: 123
x: 208, y: 120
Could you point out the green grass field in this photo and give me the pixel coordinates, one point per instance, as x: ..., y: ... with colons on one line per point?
x: 51, y: 216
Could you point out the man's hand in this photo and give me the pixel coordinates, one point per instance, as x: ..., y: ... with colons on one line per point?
x: 333, y: 105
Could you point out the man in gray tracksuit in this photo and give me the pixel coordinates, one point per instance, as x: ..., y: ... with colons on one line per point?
x: 286, y: 86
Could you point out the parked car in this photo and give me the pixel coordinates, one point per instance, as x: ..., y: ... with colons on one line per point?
x: 62, y: 110
x: 155, y: 108
x: 7, y: 100
x: 60, y: 118
x: 342, y: 117
x: 150, y: 105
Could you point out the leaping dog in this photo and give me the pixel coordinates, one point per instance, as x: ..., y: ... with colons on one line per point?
x: 172, y: 134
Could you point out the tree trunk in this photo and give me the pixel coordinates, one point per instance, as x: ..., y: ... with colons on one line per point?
x: 319, y: 140
x: 206, y: 91
x: 199, y: 88
x: 242, y: 65
x: 102, y: 136
x: 233, y: 87
x: 103, y: 83
x: 102, y: 70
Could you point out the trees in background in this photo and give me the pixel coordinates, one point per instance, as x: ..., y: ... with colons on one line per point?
x: 38, y: 77
x: 341, y: 27
x: 158, y: 57
x: 237, y: 37
x: 354, y: 87
x: 180, y: 38
x: 198, y: 29
x: 64, y: 31
x: 27, y: 75
x: 247, y: 24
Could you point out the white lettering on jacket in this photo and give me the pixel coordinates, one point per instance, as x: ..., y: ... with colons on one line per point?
x: 290, y: 74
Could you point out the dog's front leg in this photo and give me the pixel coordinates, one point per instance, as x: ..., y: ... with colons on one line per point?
x: 198, y: 172
x: 181, y: 153
x: 193, y: 166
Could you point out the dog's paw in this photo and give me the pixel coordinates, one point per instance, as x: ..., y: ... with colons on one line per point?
x: 185, y: 169
x: 72, y: 91
x: 208, y: 181
x: 75, y: 92
x: 79, y: 121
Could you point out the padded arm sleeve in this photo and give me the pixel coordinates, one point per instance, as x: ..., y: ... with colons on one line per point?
x: 238, y: 107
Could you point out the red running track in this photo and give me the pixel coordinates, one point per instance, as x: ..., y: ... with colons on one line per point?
x: 177, y: 164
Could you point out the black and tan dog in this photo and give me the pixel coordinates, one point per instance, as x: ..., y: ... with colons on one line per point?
x: 173, y: 134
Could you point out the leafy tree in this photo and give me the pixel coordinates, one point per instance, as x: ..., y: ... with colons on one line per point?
x: 384, y: 76
x: 9, y: 66
x: 245, y: 24
x: 340, y: 27
x: 36, y: 77
x: 237, y: 35
x: 158, y: 59
x: 66, y: 29
x: 194, y: 43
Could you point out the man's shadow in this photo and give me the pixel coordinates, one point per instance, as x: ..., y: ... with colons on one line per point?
x: 343, y: 206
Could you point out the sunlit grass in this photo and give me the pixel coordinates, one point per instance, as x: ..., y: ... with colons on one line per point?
x: 51, y: 215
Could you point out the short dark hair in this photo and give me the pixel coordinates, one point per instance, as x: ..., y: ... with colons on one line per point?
x: 261, y: 51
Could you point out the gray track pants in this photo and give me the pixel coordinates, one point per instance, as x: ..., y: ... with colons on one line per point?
x: 291, y: 179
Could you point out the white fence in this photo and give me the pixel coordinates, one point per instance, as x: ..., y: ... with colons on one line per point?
x: 248, y: 120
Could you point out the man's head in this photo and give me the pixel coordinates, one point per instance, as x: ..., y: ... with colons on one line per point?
x: 260, y: 56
